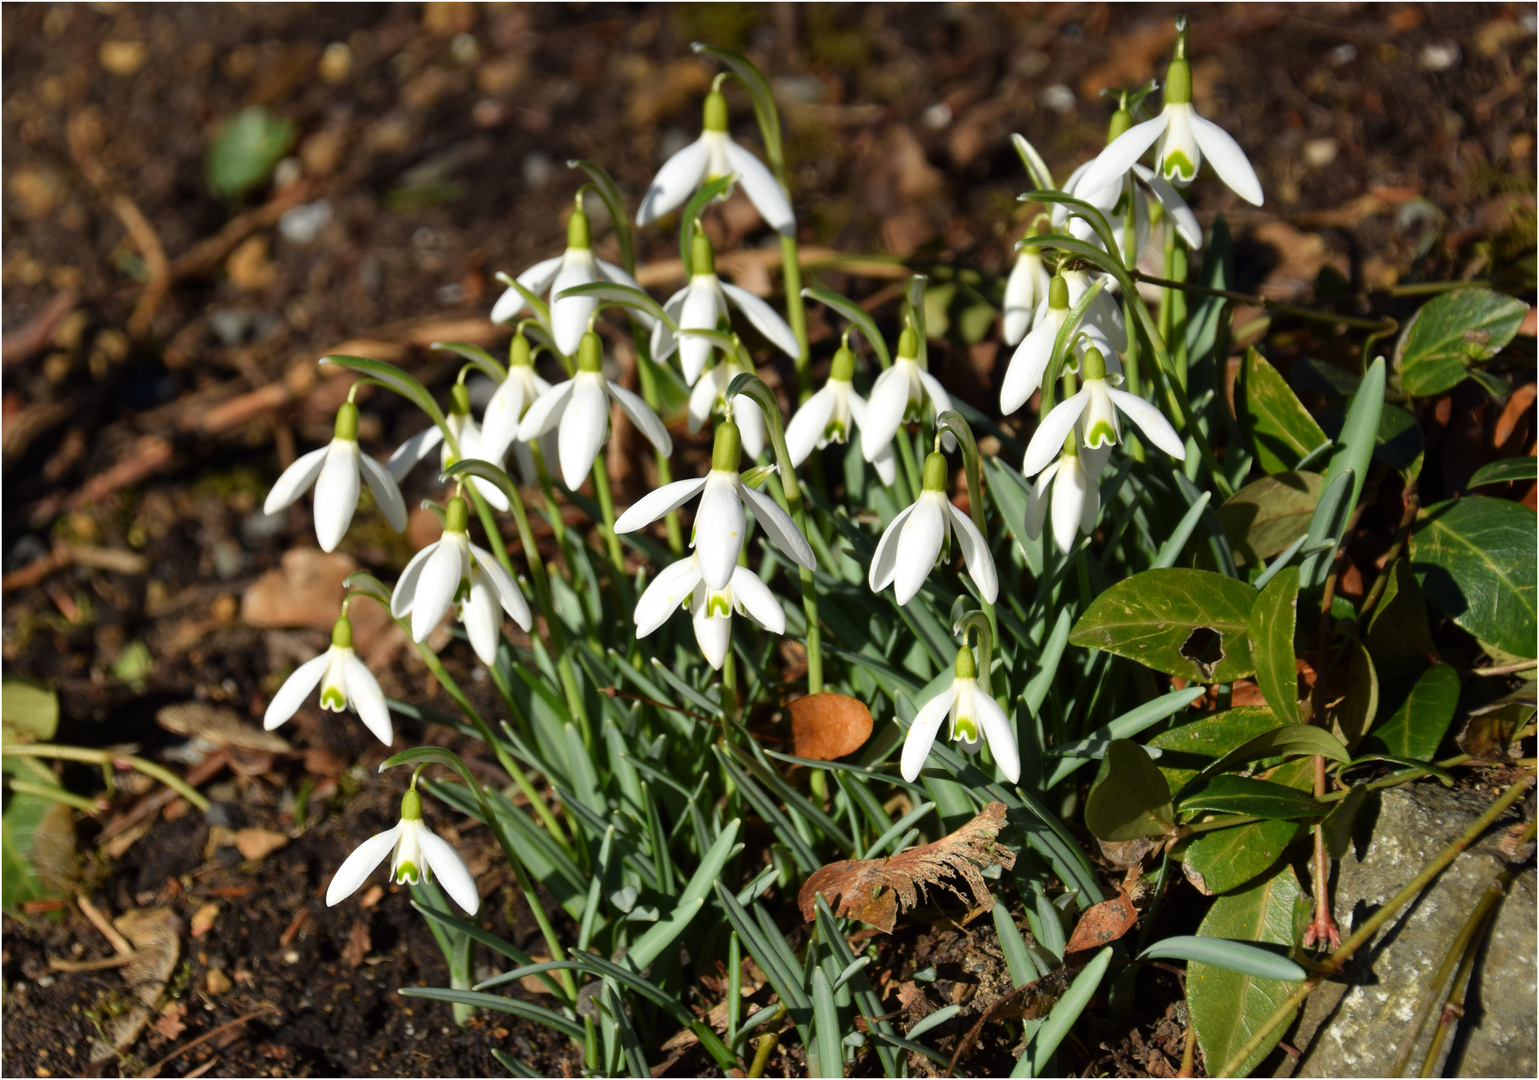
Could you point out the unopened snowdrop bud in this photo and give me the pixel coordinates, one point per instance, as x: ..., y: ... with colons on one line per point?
x: 417, y: 854
x: 1023, y: 290
x: 345, y: 684
x: 975, y: 716
x: 920, y: 535
x: 335, y: 470
x: 508, y: 405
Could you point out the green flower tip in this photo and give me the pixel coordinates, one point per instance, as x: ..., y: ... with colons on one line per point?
x: 715, y: 118
x: 727, y: 452
x: 590, y: 353
x: 935, y: 472
x: 1121, y: 120
x: 1093, y: 366
x: 844, y: 365
x: 347, y: 422
x: 456, y: 516
x: 1058, y: 293
x: 702, y: 255
x: 411, y: 805
x: 519, y: 354
x: 459, y: 400
x: 1178, y: 81
x: 342, y: 633
x: 908, y: 344
x: 578, y: 236
x: 967, y: 667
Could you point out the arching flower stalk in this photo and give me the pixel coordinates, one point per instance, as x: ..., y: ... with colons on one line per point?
x: 832, y: 415
x: 920, y: 537
x: 344, y: 681
x: 577, y: 265
x: 713, y: 155
x: 335, y: 470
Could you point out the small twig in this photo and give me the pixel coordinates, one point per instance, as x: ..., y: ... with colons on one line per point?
x: 1384, y: 325
x: 118, y: 942
x: 1506, y: 669
x: 75, y: 966
x: 154, y: 1070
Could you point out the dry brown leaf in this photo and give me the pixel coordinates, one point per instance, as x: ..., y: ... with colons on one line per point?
x: 218, y: 725
x: 358, y: 945
x: 203, y: 919
x: 1103, y: 923
x: 828, y: 726
x: 872, y: 890
x: 155, y: 934
x: 258, y: 843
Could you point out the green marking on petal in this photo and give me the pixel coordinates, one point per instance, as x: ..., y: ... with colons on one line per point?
x: 463, y: 592
x: 717, y: 604
x: 1177, y: 164
x: 1100, y: 434
x: 332, y: 698
x: 964, y: 728
x: 834, y: 432
x: 406, y: 872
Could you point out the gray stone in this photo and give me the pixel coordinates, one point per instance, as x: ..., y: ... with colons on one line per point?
x: 1353, y: 1026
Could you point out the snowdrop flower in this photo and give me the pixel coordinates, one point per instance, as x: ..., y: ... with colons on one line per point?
x: 919, y: 537
x: 467, y: 433
x: 1103, y: 316
x: 710, y: 395
x: 827, y: 417
x: 683, y: 585
x: 1028, y: 364
x: 1183, y: 138
x: 452, y: 572
x: 1069, y: 487
x: 499, y: 425
x: 577, y: 265
x: 975, y: 716
x: 721, y: 523
x: 1024, y: 290
x: 345, y: 684
x: 1095, y: 410
x: 701, y: 303
x: 898, y: 396
x: 714, y: 155
x: 418, y: 854
x: 334, y: 469
x: 579, y: 407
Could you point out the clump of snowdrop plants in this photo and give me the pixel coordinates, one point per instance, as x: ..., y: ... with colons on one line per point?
x: 639, y: 777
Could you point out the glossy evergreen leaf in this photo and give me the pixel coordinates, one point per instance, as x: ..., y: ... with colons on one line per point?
x: 1276, y: 426
x: 1245, y: 797
x: 1129, y: 798
x: 1189, y: 748
x: 1417, y: 727
x: 1451, y: 333
x: 1474, y: 558
x: 1264, y: 517
x: 1225, y: 859
x: 1273, y: 618
x: 1505, y: 471
x: 1183, y: 622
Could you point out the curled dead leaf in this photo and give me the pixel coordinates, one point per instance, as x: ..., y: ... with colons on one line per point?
x: 872, y: 890
x: 828, y: 726
x: 1103, y: 923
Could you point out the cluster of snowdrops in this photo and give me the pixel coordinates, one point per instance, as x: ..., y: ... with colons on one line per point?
x: 1070, y: 341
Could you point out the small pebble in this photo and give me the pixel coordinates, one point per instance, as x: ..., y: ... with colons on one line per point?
x: 538, y: 169
x: 1057, y: 98
x: 336, y: 62
x: 1319, y: 152
x: 304, y: 223
x: 937, y: 116
x: 1439, y: 56
x: 1342, y: 55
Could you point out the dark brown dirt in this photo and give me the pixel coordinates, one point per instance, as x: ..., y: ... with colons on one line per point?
x: 440, y: 153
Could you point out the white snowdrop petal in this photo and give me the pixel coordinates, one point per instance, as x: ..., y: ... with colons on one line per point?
x: 503, y: 587
x: 702, y: 308
x: 536, y: 279
x: 406, y: 584
x: 291, y: 695
x: 762, y: 189
x: 640, y: 414
x: 750, y: 424
x: 921, y: 734
x: 1047, y: 442
x: 1038, y: 501
x: 295, y: 479
x: 666, y: 594
x: 368, y: 700
x: 713, y: 634
x: 654, y: 505
x: 584, y: 426
x: 663, y: 340
x: 675, y: 181
x: 884, y: 563
x: 1000, y: 735
x: 1068, y: 503
x: 413, y: 450
x: 450, y: 870
x: 437, y: 584
x: 481, y: 616
x: 1227, y: 159
x: 919, y: 546
x: 765, y: 319
x: 386, y: 493
x: 757, y: 601
x: 1110, y: 165
x: 975, y: 552
x: 336, y: 493
x: 1150, y: 421
x: 720, y: 528
x: 702, y: 399
x: 546, y: 411
x: 1027, y: 365
x: 779, y: 527
x: 884, y: 411
x: 806, y: 428
x: 886, y: 465
x: 940, y: 401
x: 357, y: 867
x: 1174, y: 204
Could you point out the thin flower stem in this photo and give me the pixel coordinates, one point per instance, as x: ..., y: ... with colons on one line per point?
x: 106, y: 757
x: 58, y: 794
x: 910, y: 466
x: 1337, y: 960
x: 489, y: 526
x: 795, y: 309
x: 1386, y: 324
x: 647, y: 377
x: 607, y: 507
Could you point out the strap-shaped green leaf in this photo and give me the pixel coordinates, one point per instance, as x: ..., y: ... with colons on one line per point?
x: 612, y: 292
x: 692, y: 211
x: 540, y: 308
x: 1036, y: 168
x: 478, y: 356
x: 1236, y: 956
x: 857, y: 315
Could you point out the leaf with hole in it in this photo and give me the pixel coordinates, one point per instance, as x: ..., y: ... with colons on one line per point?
x: 1273, y: 618
x: 1474, y: 558
x: 1190, y: 748
x: 1241, y: 795
x: 28, y: 711
x: 1228, y: 1006
x: 1263, y: 518
x: 1183, y: 622
x: 828, y: 726
x: 1274, y: 422
x: 1129, y: 798
x: 1222, y: 860
x: 1451, y: 333
x: 245, y: 151
x: 1419, y: 724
